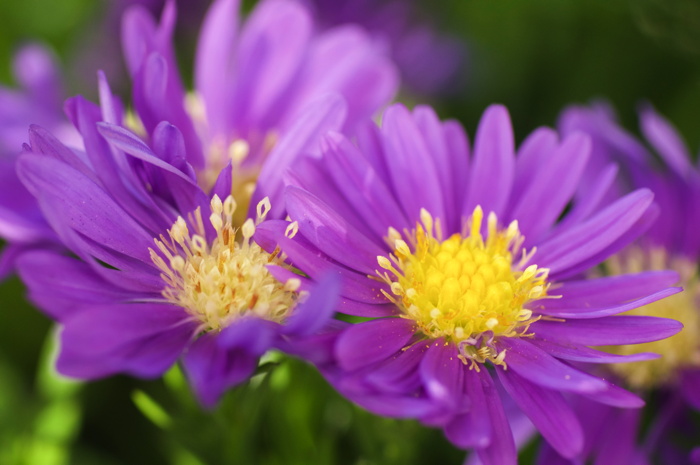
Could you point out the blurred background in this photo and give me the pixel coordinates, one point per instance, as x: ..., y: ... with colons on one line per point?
x: 535, y: 56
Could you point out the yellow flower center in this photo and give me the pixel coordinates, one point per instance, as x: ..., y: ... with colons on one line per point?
x: 677, y: 352
x: 467, y: 288
x: 220, y: 282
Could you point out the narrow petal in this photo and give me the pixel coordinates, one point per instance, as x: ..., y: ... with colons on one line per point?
x: 577, y: 310
x: 666, y: 140
x: 372, y: 341
x: 611, y: 290
x: 579, y: 243
x: 471, y: 429
x: 548, y: 411
x: 579, y: 353
x: 140, y: 339
x: 491, y: 177
x: 552, y: 187
x: 212, y: 369
x: 442, y: 373
x: 331, y: 233
x: 501, y: 450
x: 316, y: 311
x: 690, y: 387
x: 612, y: 330
x: 540, y: 368
x: 400, y: 373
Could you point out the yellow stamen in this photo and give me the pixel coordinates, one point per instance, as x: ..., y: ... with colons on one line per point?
x: 677, y: 352
x: 225, y: 280
x: 466, y: 288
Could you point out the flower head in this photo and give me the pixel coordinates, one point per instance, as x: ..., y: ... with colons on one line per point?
x: 671, y: 382
x: 469, y: 271
x: 157, y: 269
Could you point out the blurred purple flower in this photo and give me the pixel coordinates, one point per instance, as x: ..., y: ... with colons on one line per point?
x: 255, y: 82
x: 157, y: 269
x: 671, y: 383
x: 430, y: 63
x: 464, y: 301
x: 38, y: 100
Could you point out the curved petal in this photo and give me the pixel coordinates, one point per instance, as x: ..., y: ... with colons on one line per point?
x: 140, y: 339
x: 549, y: 412
x: 493, y: 165
x: 540, y: 368
x: 372, y: 341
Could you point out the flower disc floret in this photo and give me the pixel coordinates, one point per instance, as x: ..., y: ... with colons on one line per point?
x: 466, y: 288
x: 220, y: 282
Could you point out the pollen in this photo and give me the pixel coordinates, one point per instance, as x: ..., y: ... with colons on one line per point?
x: 226, y: 277
x: 470, y: 289
x: 678, y: 352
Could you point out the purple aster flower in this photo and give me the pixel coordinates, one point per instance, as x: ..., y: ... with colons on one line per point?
x: 430, y: 63
x: 469, y: 272
x: 38, y: 100
x: 671, y: 384
x: 158, y: 269
x: 257, y: 83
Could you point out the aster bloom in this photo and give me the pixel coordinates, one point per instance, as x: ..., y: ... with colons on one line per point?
x: 469, y: 271
x: 38, y: 100
x: 430, y: 63
x: 264, y: 89
x: 672, y: 382
x: 157, y: 269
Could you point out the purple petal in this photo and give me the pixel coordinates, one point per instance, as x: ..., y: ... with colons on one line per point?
x: 84, y: 206
x: 472, y: 429
x: 616, y: 397
x: 611, y: 290
x: 314, y: 263
x: 212, y: 369
x: 372, y: 341
x: 60, y: 284
x: 140, y: 339
x: 501, y: 450
x: 540, y: 368
x: 552, y: 187
x: 355, y: 177
x: 214, y: 61
x: 690, y: 387
x: 442, y: 373
x: 611, y: 330
x: 331, y: 233
x: 399, y: 374
x: 579, y: 353
x: 327, y: 113
x: 577, y: 310
x: 346, y: 60
x: 413, y: 172
x: 492, y: 171
x: 273, y: 45
x: 315, y: 312
x: 548, y: 411
x: 579, y: 243
x: 666, y: 140
x: 532, y: 154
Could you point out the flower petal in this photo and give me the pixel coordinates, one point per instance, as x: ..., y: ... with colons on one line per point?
x: 372, y: 341
x: 548, y: 411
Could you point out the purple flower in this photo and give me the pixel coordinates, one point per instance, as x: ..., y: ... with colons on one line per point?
x: 158, y: 269
x: 260, y: 86
x: 672, y: 382
x: 38, y: 100
x: 430, y: 63
x: 468, y: 270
